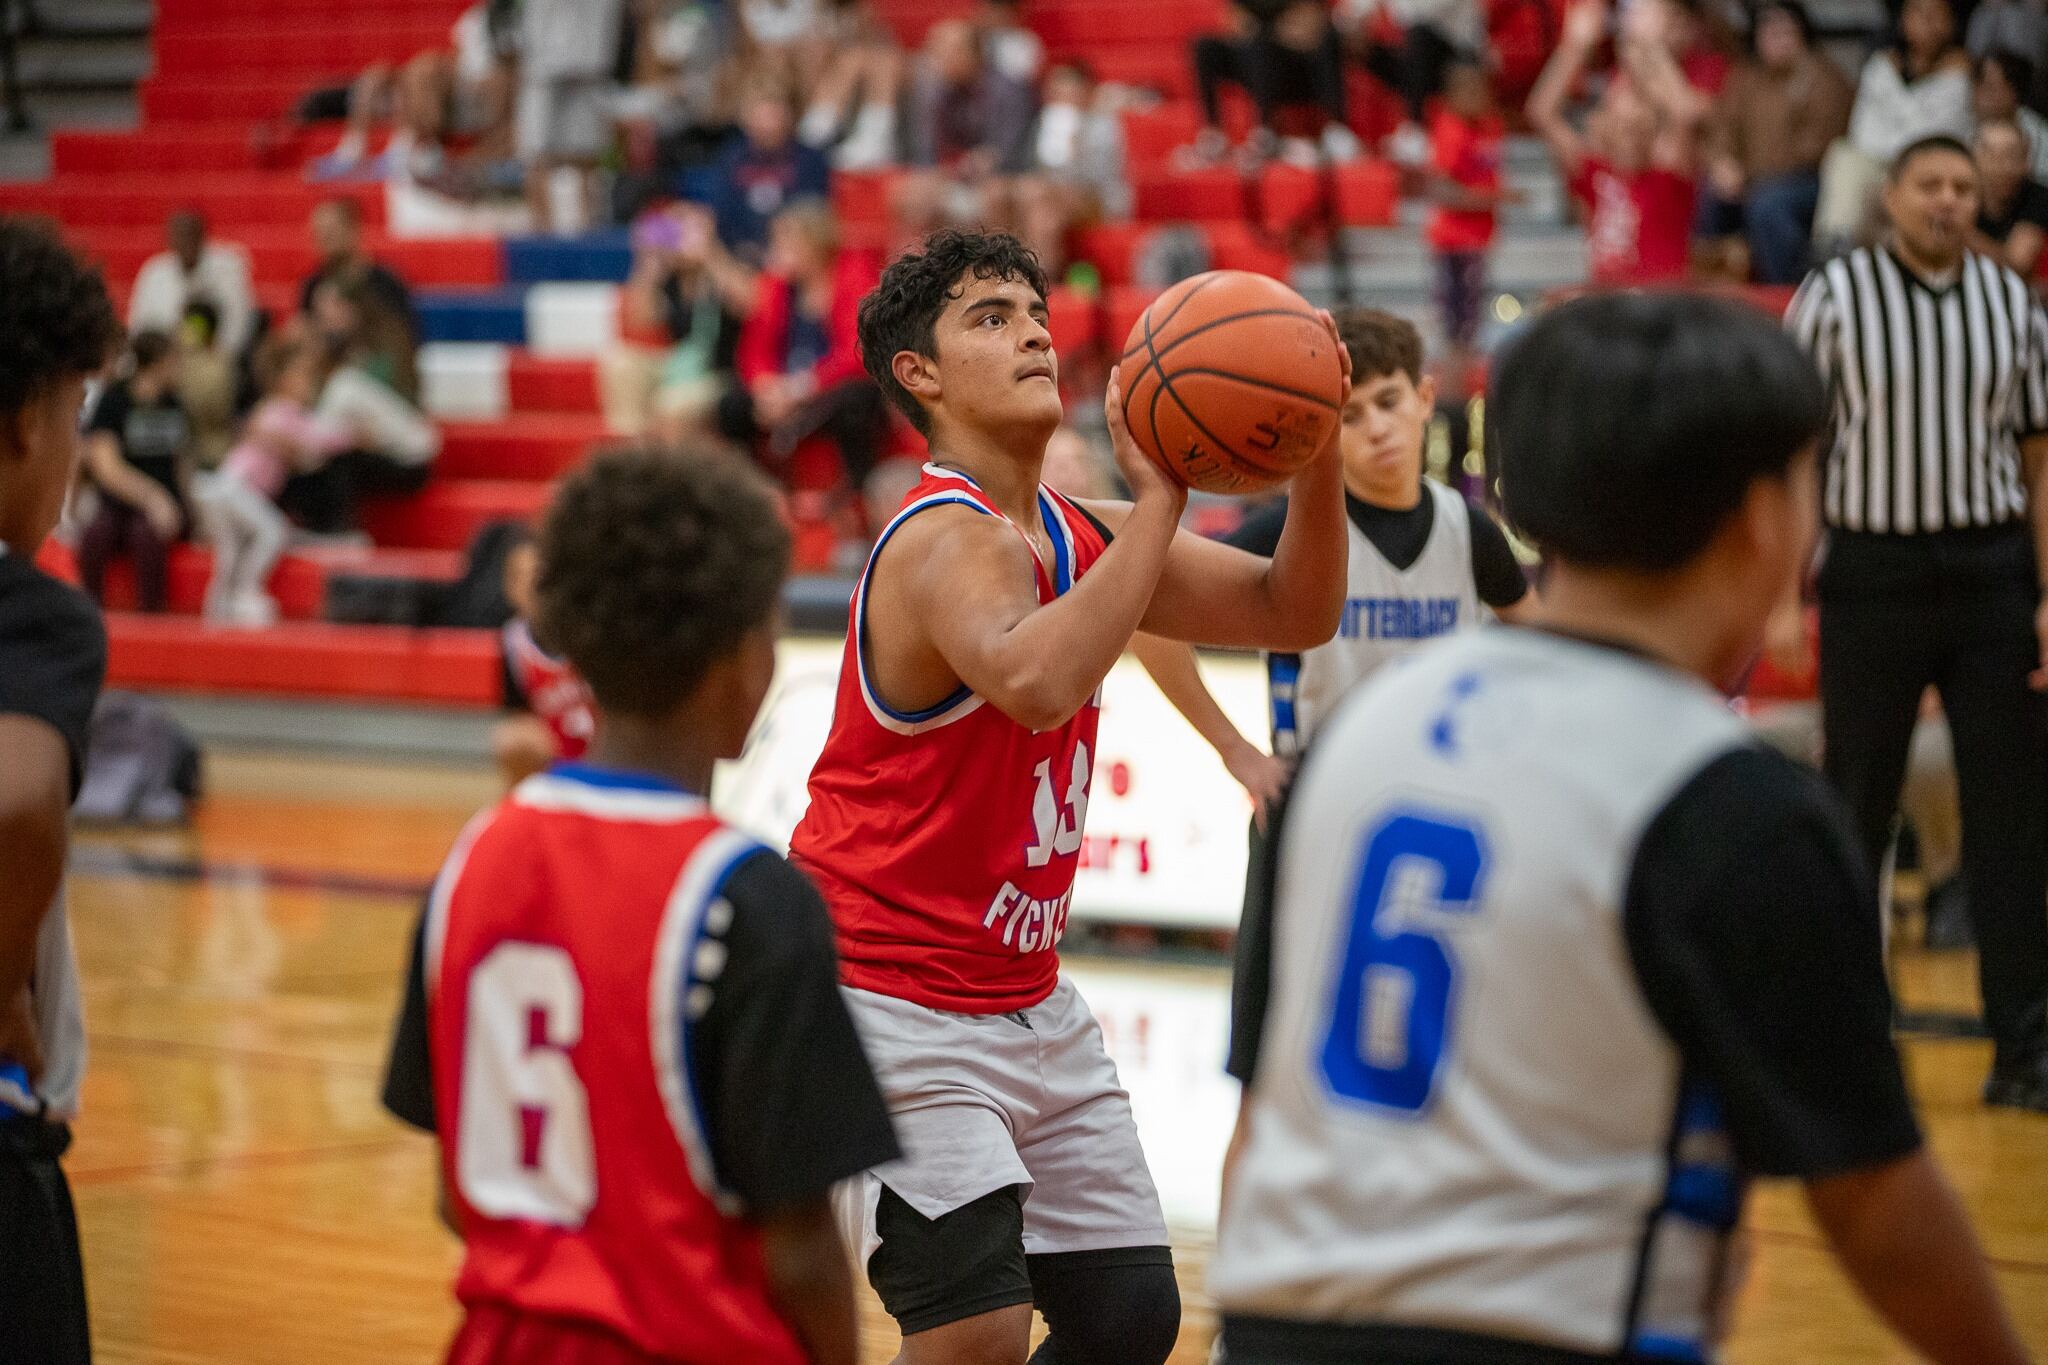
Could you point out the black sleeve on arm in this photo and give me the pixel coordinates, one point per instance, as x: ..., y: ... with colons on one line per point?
x: 1495, y: 571
x: 1259, y: 532
x: 1251, y: 979
x: 1095, y: 521
x: 791, y: 1104
x: 409, y: 1075
x: 53, y: 655
x: 1753, y: 928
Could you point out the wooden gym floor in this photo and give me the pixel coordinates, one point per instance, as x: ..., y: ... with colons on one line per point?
x: 245, y: 1201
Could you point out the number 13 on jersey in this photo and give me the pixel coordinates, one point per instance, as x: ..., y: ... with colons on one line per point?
x: 1390, y: 1017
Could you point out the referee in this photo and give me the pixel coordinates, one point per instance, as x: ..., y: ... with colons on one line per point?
x: 1936, y: 514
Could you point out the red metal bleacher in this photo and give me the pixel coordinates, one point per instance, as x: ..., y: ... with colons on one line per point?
x: 307, y: 660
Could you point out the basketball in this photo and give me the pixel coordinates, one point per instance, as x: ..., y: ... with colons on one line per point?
x: 1231, y: 382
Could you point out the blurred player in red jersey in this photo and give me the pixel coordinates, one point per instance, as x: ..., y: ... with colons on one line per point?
x: 554, y: 720
x: 623, y: 1018
x: 947, y: 812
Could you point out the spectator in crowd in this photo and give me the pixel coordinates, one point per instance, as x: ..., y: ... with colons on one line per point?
x: 852, y: 108
x: 568, y: 52
x: 392, y: 445
x: 969, y: 134
x: 209, y: 385
x: 679, y: 109
x: 462, y: 90
x: 1006, y: 43
x: 551, y: 716
x: 2002, y: 79
x: 2016, y: 26
x: 786, y: 39
x: 1434, y: 34
x: 798, y: 357
x: 1633, y: 168
x: 1281, y: 53
x: 763, y: 168
x: 683, y: 293
x: 1917, y: 86
x: 1782, y: 109
x: 135, y: 445
x: 194, y: 270
x: 1465, y: 143
x: 2012, y: 208
x: 1080, y: 175
x: 384, y: 325
x: 237, y: 503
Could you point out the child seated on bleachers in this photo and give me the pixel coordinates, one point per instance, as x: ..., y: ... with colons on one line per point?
x: 237, y: 502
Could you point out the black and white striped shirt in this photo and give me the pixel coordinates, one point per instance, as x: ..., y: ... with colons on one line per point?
x: 1931, y: 390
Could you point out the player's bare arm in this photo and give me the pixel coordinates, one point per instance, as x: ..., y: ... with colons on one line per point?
x: 34, y: 797
x: 1213, y: 594
x: 955, y: 604
x: 1903, y: 1238
x: 811, y: 1280
x: 1178, y: 675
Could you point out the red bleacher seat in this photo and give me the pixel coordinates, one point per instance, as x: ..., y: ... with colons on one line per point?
x: 359, y: 663
x: 525, y: 445
x: 1072, y: 320
x: 231, y: 201
x: 861, y: 198
x: 284, y: 48
x: 1122, y: 308
x: 1368, y: 193
x: 551, y: 384
x: 299, y: 583
x: 449, y: 512
x: 1165, y: 196
x: 1152, y: 135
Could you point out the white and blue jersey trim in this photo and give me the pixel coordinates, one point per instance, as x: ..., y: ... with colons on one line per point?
x: 607, y: 794
x: 689, y: 957
x: 1670, y: 1314
x: 963, y: 701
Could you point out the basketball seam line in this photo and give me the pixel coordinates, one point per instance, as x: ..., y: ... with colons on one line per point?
x: 1180, y: 304
x: 1263, y: 384
x: 1212, y: 325
x: 1166, y: 387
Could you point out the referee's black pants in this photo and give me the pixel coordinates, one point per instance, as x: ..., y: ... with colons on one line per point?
x: 1951, y: 610
x: 42, y: 1278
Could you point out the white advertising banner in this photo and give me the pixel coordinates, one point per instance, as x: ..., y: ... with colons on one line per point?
x: 1165, y: 841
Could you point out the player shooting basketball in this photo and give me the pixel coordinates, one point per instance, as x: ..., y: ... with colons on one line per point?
x: 947, y: 811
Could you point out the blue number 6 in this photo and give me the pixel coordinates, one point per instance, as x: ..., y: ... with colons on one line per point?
x: 1390, y: 1023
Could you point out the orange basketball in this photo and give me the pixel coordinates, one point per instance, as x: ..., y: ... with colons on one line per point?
x: 1231, y: 382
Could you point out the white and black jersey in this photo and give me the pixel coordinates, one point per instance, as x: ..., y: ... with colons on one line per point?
x: 1413, y: 574
x: 1931, y: 387
x: 1555, y: 955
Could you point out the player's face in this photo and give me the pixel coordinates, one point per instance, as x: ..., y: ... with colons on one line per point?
x: 1382, y: 434
x: 1933, y: 204
x: 41, y: 458
x: 995, y: 365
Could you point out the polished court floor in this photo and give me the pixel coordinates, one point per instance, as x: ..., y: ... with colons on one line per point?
x: 245, y: 1201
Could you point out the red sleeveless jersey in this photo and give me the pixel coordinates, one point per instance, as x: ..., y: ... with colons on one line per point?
x: 555, y: 695
x: 561, y: 955
x: 945, y: 841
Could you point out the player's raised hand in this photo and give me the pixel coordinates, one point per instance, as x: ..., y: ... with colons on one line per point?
x: 1147, y: 478
x: 1343, y: 353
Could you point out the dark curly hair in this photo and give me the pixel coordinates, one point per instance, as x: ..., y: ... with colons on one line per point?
x: 900, y: 313
x: 56, y: 321
x: 653, y: 566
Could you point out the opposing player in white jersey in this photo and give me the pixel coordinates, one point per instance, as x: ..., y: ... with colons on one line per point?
x: 1557, y: 955
x: 1423, y: 563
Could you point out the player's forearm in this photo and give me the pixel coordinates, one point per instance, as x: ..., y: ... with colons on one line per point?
x: 1305, y: 581
x: 1902, y: 1237
x: 812, y: 1283
x: 1179, y: 678
x: 1546, y: 101
x: 34, y: 799
x: 1053, y: 660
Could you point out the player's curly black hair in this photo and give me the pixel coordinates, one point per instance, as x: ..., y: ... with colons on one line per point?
x: 56, y: 321
x: 653, y: 566
x: 899, y: 314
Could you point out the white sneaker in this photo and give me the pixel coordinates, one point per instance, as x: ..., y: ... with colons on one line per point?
x: 1409, y: 145
x: 1340, y: 144
x: 1298, y: 151
x: 256, y: 609
x: 1210, y: 148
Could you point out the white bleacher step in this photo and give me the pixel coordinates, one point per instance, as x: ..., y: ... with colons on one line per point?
x: 572, y: 319
x: 465, y: 380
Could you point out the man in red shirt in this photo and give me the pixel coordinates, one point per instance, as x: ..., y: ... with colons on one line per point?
x: 1634, y: 168
x: 1464, y: 153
